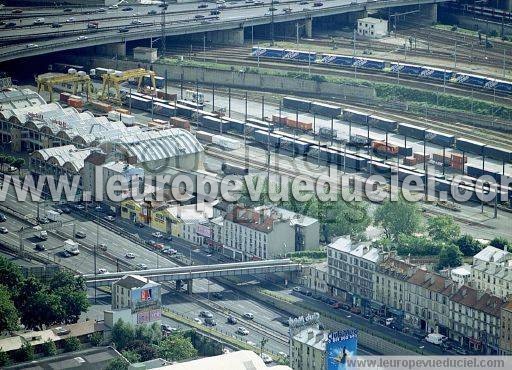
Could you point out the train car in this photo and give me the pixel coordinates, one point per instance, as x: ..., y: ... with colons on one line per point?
x: 260, y: 52
x: 214, y: 124
x: 339, y: 60
x: 436, y: 73
x: 368, y: 63
x: 230, y: 169
x: 159, y: 81
x: 296, y: 104
x: 63, y: 67
x: 264, y: 125
x: 499, y: 85
x: 323, y: 109
x: 439, y: 138
x: 379, y: 167
x: 499, y: 154
x: 302, y: 56
x: 471, y: 80
x: 469, y: 146
x: 265, y: 138
x: 191, y: 104
x: 382, y: 123
x: 355, y: 116
x: 164, y: 110
x: 477, y: 172
x: 411, y: 131
x: 408, y: 69
x: 137, y: 102
x: 293, y: 145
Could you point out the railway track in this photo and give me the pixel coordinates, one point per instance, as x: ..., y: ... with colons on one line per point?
x: 241, y: 57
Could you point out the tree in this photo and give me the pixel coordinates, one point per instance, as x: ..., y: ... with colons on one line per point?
x: 499, y: 242
x: 117, y: 364
x: 398, y: 217
x: 144, y: 350
x: 10, y: 275
x: 72, y: 294
x: 72, y: 344
x: 468, y: 245
x: 25, y: 353
x: 176, y: 348
x: 122, y: 334
x: 9, y: 160
x: 131, y: 356
x: 4, y: 358
x: 49, y: 348
x: 148, y: 334
x: 41, y: 309
x: 443, y: 228
x: 450, y: 256
x: 18, y: 164
x: 8, y: 313
x: 96, y: 339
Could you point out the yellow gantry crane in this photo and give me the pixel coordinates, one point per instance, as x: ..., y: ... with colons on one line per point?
x: 46, y: 82
x: 114, y: 80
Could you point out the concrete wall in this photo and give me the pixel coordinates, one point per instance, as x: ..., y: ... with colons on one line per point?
x: 242, y: 80
x: 228, y: 37
x: 485, y: 26
x: 117, y: 49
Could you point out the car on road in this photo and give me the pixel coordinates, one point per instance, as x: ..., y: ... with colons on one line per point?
x: 150, y: 242
x: 10, y: 25
x: 248, y: 316
x: 38, y: 21
x: 40, y: 247
x: 102, y: 271
x: 296, y: 289
x: 130, y: 255
x: 42, y: 220
x: 287, y: 10
x: 218, y: 2
x: 101, y: 10
x: 242, y: 331
x: 136, y: 21
x: 69, y: 20
x: 159, y: 246
x: 80, y: 235
x: 17, y: 11
x: 109, y: 218
x: 202, y: 6
x: 67, y: 10
x: 199, y: 16
x: 81, y: 38
x: 214, y: 12
x: 266, y: 358
x: 66, y: 210
x: 140, y: 225
x: 157, y: 234
x: 317, y: 4
x: 3, y: 218
x: 272, y: 9
x: 282, y: 354
x: 127, y: 9
x: 259, y: 2
x: 169, y: 251
x: 217, y: 295
x: 303, y: 3
x: 152, y: 12
x: 124, y: 29
x: 141, y: 266
x: 209, y: 322
x: 206, y: 314
x: 198, y: 320
x: 65, y: 254
x: 232, y: 320
x: 461, y: 351
x: 103, y: 247
x: 249, y: 1
x: 114, y: 6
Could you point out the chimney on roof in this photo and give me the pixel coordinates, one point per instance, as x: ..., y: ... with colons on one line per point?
x: 319, y: 336
x: 479, y: 294
x: 365, y: 249
x: 427, y: 277
x: 311, y: 334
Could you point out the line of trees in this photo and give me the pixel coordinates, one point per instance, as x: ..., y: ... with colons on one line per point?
x: 8, y: 160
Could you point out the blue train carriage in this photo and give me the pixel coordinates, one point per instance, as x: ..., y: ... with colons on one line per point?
x: 267, y: 52
x: 367, y: 63
x: 339, y: 60
x: 499, y: 85
x: 436, y: 73
x: 471, y: 80
x: 408, y: 69
x: 351, y: 115
x: 303, y: 56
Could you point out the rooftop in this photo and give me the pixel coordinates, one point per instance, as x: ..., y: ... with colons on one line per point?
x: 132, y: 281
x: 312, y: 337
x: 478, y: 300
x: 12, y: 99
x: 492, y: 254
x: 63, y: 156
x: 432, y: 281
x: 361, y: 250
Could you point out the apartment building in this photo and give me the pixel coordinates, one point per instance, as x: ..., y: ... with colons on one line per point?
x: 372, y: 27
x: 308, y: 349
x: 492, y: 271
x: 427, y: 302
x: 476, y: 320
x: 391, y: 285
x: 314, y: 277
x: 505, y: 343
x: 351, y: 271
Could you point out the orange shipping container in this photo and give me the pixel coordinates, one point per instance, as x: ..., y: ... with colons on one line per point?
x: 457, y: 165
x: 180, y: 122
x: 458, y: 158
x: 410, y: 161
x: 75, y: 103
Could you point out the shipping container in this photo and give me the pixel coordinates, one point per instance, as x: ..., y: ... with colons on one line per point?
x: 408, y: 69
x: 264, y: 125
x: 166, y: 96
x: 293, y: 146
x: 115, y: 116
x: 226, y: 142
x: 411, y: 131
x: 499, y: 154
x: 420, y: 158
x: 355, y: 116
x: 264, y: 138
x: 280, y: 120
x: 204, y: 136
x: 75, y: 102
x: 323, y: 109
x: 101, y: 106
x: 469, y: 146
x: 410, y: 161
x: 340, y: 60
x: 382, y: 148
x: 382, y: 123
x: 459, y: 158
x: 296, y: 104
x: 267, y: 52
x: 180, y: 123
x: 438, y: 157
x: 214, y: 124
x: 439, y: 138
x: 64, y: 96
x: 327, y: 132
x: 404, y: 151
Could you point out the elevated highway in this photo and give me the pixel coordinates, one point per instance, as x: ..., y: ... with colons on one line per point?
x: 29, y: 41
x: 189, y: 273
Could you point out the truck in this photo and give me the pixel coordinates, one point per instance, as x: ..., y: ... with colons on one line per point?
x: 71, y: 247
x: 53, y: 215
x: 435, y: 338
x: 194, y: 96
x: 40, y: 233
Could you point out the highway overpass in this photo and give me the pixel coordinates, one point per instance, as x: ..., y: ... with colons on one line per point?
x: 228, y: 27
x: 189, y: 273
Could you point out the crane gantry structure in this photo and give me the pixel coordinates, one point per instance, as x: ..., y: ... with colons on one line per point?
x: 46, y: 82
x: 114, y: 80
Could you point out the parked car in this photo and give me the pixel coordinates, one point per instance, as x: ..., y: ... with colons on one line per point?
x: 317, y: 4
x: 109, y: 218
x: 209, y: 321
x: 217, y: 295
x: 198, y: 320
x: 103, y: 247
x: 140, y: 225
x: 435, y: 338
x: 3, y: 218
x: 168, y: 328
x: 127, y: 9
x: 266, y: 358
x: 202, y: 6
x: 157, y: 234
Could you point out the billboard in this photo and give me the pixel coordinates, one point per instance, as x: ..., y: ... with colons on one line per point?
x: 145, y: 295
x: 204, y: 230
x: 341, y: 346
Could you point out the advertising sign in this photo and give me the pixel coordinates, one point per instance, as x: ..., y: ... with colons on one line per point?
x: 204, y: 231
x: 145, y: 295
x: 341, y: 346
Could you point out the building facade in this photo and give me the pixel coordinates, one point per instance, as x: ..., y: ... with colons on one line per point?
x: 492, y: 271
x: 308, y: 349
x: 315, y: 277
x: 372, y: 27
x: 351, y: 270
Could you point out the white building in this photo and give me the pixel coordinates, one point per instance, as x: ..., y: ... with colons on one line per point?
x: 372, y: 27
x: 264, y: 232
x: 461, y: 275
x: 315, y: 277
x: 308, y: 349
x: 351, y: 269
x: 492, y: 271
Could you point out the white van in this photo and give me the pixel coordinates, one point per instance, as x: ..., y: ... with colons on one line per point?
x: 436, y: 338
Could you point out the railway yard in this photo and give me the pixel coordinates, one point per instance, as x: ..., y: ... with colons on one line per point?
x: 435, y: 98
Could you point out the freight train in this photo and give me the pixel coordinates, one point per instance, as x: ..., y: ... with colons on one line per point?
x: 419, y: 71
